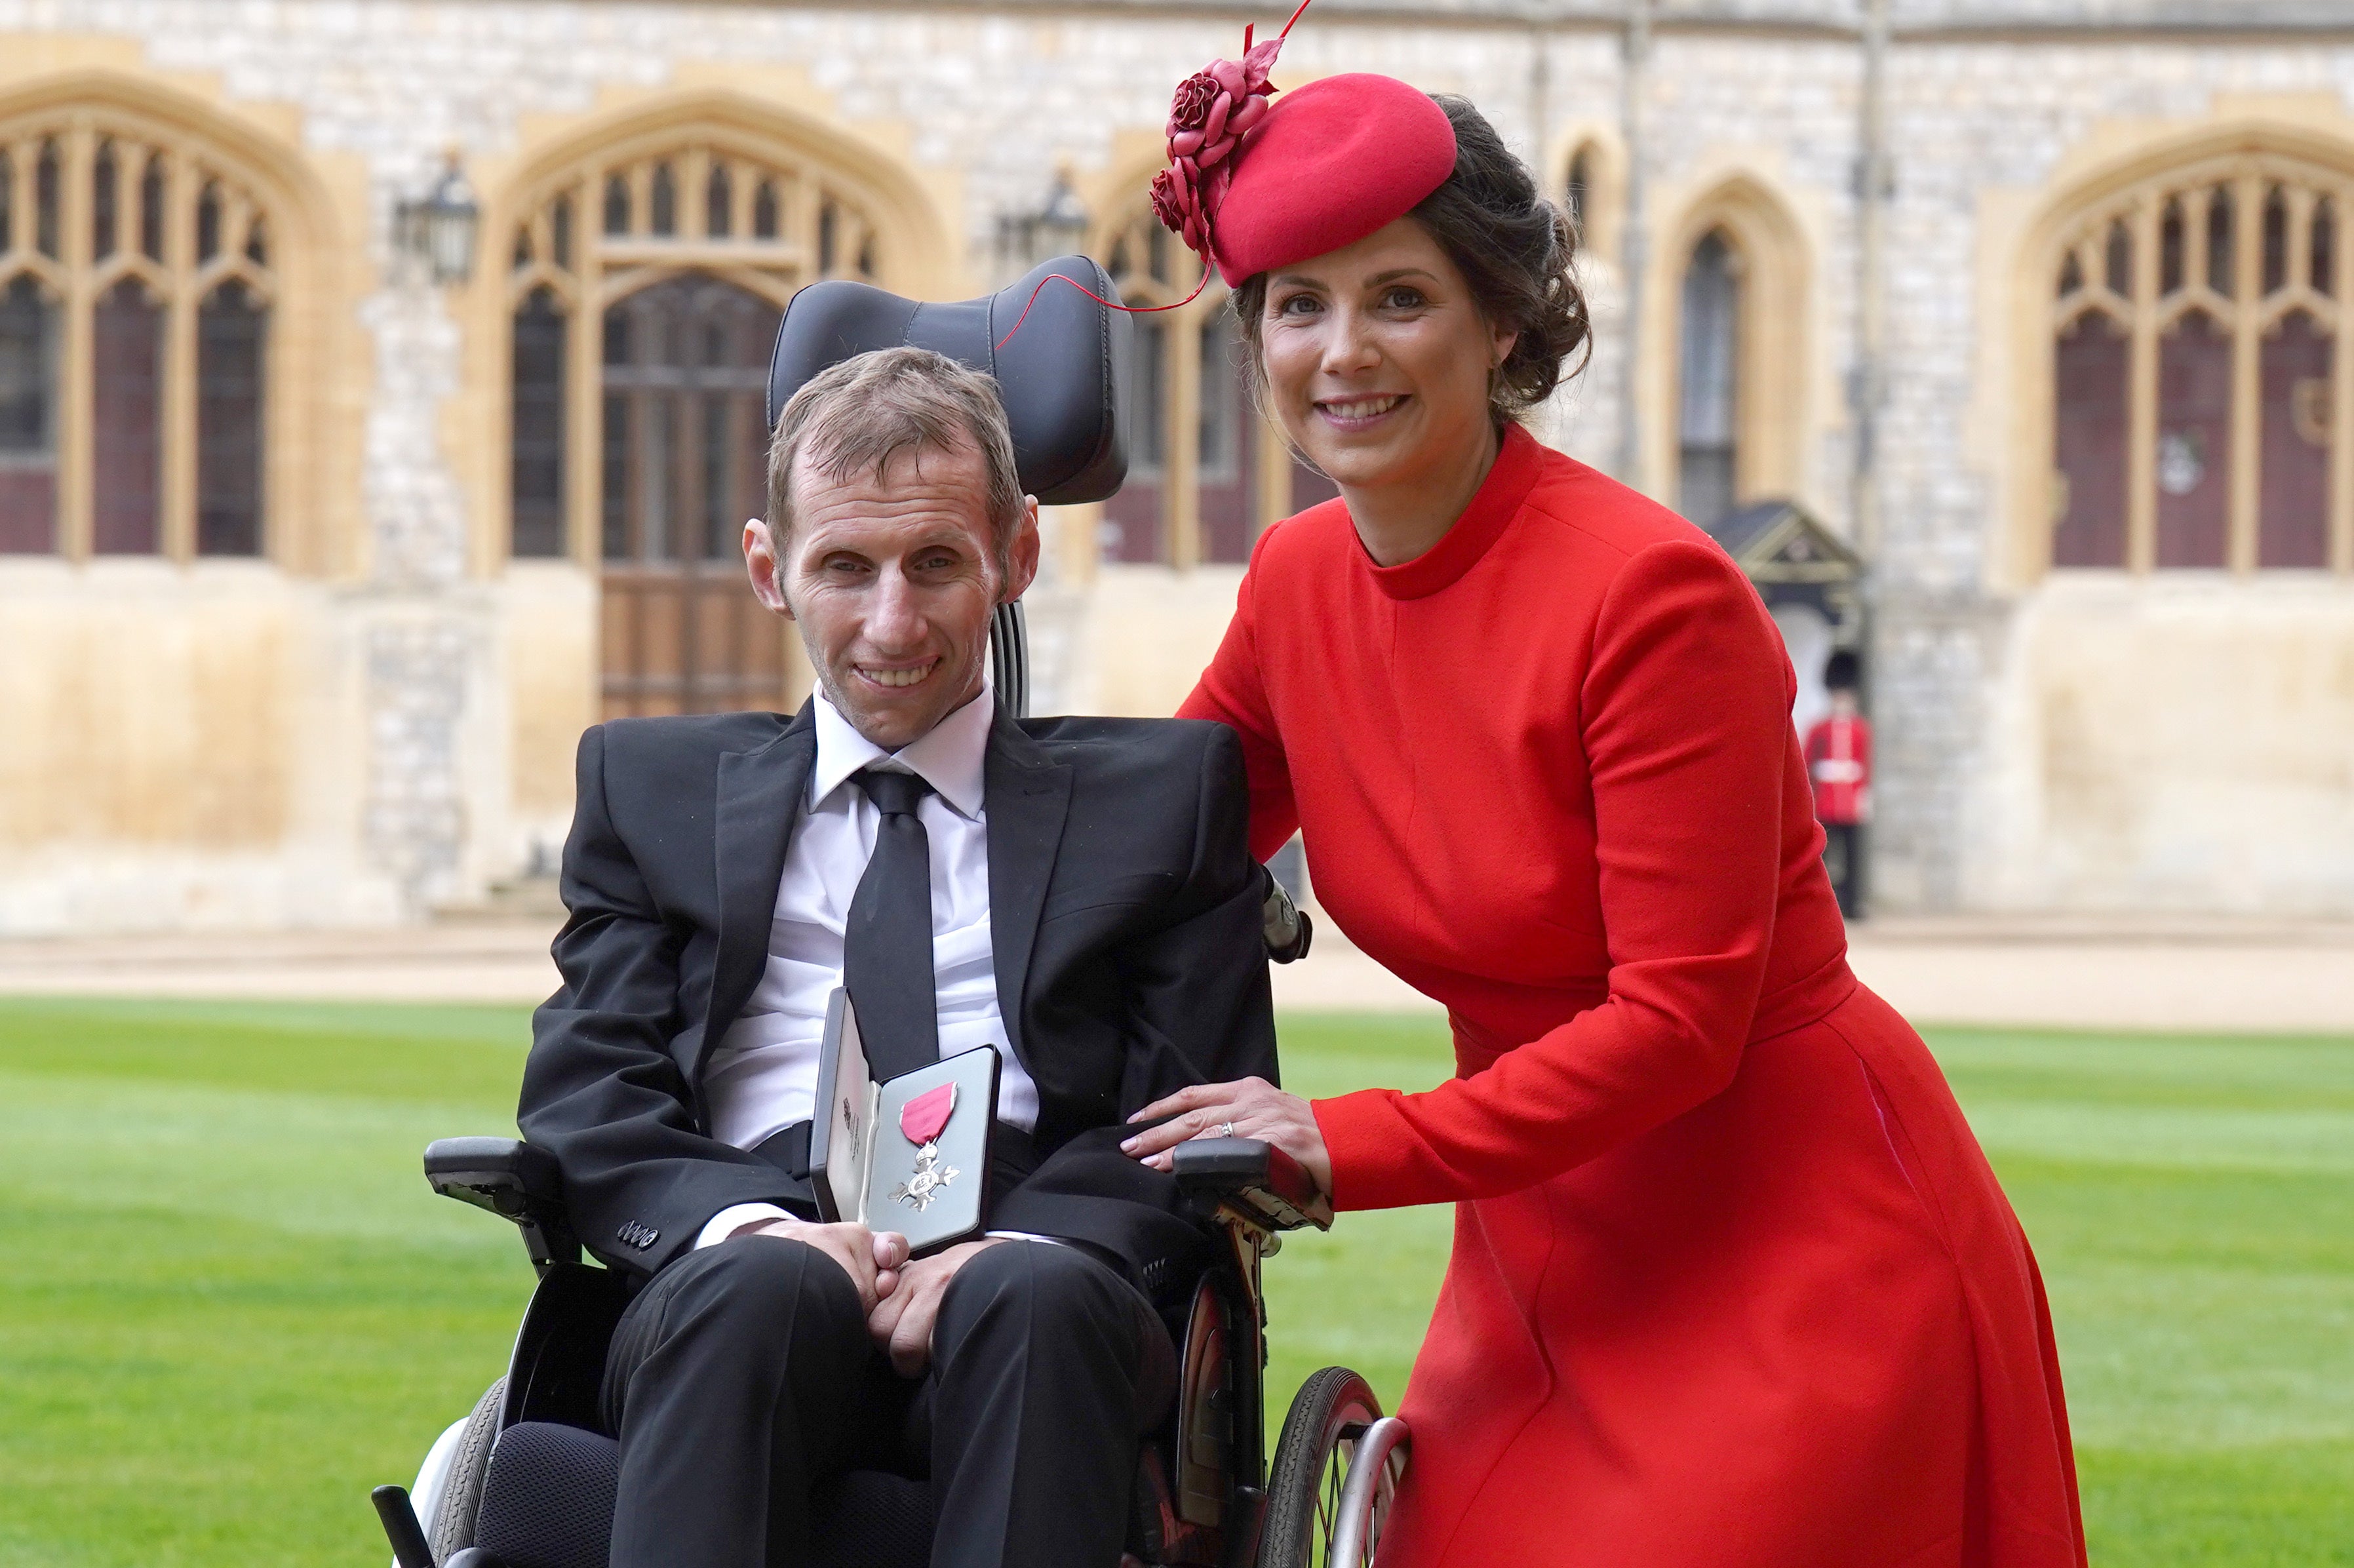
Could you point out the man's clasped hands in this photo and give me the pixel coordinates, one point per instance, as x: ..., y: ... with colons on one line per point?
x: 902, y: 1300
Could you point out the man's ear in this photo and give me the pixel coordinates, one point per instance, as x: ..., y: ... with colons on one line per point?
x: 762, y: 563
x: 1022, y: 559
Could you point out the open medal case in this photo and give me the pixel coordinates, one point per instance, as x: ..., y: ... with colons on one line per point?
x: 908, y: 1154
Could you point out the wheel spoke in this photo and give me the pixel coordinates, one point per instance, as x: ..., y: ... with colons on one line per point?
x: 1328, y: 1500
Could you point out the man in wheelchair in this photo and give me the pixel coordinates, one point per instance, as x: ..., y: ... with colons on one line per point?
x: 1076, y: 893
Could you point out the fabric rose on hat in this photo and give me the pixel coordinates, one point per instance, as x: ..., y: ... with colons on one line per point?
x: 1190, y: 111
x: 1209, y: 116
x: 1177, y: 203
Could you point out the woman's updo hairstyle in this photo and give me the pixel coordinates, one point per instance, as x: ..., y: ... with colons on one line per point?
x: 1517, y: 250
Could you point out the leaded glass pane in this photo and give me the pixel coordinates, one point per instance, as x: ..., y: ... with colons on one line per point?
x: 48, y: 200
x: 29, y: 329
x: 2293, y: 519
x: 104, y: 215
x: 1708, y: 387
x: 2091, y: 411
x: 232, y: 330
x: 537, y: 460
x: 2194, y: 442
x: 126, y: 433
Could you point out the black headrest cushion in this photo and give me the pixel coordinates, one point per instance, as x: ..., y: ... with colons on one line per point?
x: 1059, y: 375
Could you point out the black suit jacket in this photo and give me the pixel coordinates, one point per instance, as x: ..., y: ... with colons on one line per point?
x: 1124, y: 908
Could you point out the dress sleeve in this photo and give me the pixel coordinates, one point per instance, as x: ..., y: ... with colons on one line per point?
x: 1233, y: 691
x: 1685, y: 719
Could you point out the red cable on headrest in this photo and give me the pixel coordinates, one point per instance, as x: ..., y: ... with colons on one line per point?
x: 1213, y: 110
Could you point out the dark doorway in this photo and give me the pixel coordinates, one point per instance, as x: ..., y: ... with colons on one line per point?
x: 685, y: 443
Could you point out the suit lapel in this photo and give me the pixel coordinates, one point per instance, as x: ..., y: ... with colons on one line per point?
x: 1027, y: 795
x: 760, y: 801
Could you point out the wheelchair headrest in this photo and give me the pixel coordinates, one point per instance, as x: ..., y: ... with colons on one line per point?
x: 1059, y: 375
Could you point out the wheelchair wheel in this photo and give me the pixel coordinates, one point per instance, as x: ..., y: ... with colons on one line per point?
x: 1316, y: 1503
x: 452, y: 1513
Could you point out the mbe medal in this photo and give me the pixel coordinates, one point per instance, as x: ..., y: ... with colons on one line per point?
x: 921, y: 1120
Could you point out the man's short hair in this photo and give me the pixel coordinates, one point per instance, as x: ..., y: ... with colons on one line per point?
x: 860, y: 414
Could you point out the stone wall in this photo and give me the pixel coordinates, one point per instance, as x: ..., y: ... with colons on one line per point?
x: 1982, y: 134
x: 463, y: 680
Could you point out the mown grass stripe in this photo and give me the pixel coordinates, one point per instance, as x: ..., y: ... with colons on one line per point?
x: 233, y: 1304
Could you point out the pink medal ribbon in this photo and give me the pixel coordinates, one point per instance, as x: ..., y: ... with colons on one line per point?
x: 923, y: 1118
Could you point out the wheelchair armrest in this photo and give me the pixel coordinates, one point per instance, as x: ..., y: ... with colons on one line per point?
x: 1283, y: 924
x: 1258, y: 1178
x: 513, y: 1179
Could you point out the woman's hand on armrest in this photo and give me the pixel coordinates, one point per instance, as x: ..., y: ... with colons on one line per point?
x: 1250, y: 1108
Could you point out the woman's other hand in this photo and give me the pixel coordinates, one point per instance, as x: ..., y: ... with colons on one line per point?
x: 1250, y: 1108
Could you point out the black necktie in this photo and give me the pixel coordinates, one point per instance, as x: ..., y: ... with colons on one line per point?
x: 886, y: 949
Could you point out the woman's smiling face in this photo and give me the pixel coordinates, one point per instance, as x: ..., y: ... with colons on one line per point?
x: 1378, y: 358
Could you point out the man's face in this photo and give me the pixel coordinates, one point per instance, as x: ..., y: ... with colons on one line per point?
x: 892, y: 579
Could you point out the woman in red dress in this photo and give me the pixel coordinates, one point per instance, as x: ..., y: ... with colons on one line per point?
x: 1732, y: 1283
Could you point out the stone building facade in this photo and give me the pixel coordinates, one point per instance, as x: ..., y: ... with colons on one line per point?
x: 313, y: 567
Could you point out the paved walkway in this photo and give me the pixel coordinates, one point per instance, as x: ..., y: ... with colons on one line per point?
x: 2239, y: 976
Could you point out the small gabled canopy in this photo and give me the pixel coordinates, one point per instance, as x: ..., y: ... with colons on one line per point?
x: 1782, y: 542
x: 1795, y: 560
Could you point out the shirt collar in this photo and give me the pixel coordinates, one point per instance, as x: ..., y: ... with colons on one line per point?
x: 951, y: 757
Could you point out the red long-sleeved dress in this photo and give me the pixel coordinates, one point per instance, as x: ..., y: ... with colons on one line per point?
x: 1733, y: 1284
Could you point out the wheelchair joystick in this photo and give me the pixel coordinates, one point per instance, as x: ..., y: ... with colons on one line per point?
x: 401, y: 1527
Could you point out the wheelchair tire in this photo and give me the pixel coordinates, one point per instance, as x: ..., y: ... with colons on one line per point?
x: 451, y: 1529
x: 1332, y: 1410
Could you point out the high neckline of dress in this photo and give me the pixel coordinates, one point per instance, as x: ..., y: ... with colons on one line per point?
x: 1508, y: 481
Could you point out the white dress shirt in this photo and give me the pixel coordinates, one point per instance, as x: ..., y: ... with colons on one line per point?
x: 762, y: 1075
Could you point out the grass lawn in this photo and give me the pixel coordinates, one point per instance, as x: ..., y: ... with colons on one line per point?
x: 234, y: 1306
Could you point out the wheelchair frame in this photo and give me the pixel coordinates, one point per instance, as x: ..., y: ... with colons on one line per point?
x: 1204, y: 1498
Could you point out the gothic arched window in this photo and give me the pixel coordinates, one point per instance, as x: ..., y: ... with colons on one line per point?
x: 136, y: 292
x: 1591, y: 187
x: 1202, y: 482
x: 2201, y: 397
x: 1708, y: 383
x: 1577, y: 188
x: 644, y: 285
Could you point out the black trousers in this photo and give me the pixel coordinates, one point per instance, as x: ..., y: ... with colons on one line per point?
x: 742, y: 1376
x: 1843, y: 858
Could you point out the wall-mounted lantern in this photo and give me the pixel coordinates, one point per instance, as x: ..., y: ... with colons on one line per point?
x: 438, y: 230
x: 1058, y: 227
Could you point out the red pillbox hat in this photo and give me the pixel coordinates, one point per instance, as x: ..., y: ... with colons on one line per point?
x: 1255, y: 183
x: 1327, y: 164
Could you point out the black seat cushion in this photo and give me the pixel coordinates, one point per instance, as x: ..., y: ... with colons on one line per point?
x: 548, y: 1499
x: 873, y: 1519
x: 1059, y: 375
x: 547, y: 1502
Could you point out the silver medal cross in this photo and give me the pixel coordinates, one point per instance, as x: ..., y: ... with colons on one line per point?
x: 918, y: 1190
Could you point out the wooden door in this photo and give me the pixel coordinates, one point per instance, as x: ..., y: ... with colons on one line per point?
x: 685, y: 445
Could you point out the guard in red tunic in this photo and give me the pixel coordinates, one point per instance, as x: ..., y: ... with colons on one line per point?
x: 1733, y: 1284
x: 1838, y: 761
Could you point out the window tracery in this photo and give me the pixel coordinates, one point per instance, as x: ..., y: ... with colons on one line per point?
x: 2203, y: 397
x: 137, y: 288
x: 622, y: 221
x: 1206, y: 471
